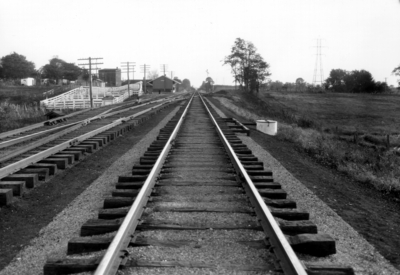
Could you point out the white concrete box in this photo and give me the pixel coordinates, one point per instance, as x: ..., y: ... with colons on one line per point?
x: 269, y: 127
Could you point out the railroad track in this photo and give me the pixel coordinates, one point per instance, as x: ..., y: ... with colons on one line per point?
x: 38, y: 152
x: 198, y: 202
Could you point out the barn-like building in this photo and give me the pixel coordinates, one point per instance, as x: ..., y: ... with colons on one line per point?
x: 164, y: 83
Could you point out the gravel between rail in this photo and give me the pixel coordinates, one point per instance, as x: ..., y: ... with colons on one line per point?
x: 352, y: 249
x: 55, y: 236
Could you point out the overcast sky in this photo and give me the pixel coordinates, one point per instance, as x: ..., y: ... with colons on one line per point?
x: 194, y: 36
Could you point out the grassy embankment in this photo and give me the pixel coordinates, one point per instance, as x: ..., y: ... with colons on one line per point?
x: 346, y: 132
x: 20, y: 106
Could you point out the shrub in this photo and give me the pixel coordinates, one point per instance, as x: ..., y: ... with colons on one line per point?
x: 13, y: 116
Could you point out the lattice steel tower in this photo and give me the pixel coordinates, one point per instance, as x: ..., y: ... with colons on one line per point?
x: 318, y: 77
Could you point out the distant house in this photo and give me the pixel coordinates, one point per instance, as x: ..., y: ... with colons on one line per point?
x: 149, y: 86
x: 29, y: 81
x: 164, y: 83
x: 112, y: 77
x: 95, y: 82
x: 98, y: 83
x: 63, y: 81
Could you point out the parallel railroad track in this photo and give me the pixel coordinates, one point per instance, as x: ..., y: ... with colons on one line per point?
x: 36, y: 154
x: 199, y: 201
x: 10, y: 140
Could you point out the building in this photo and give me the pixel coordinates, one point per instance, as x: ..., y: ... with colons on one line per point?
x: 28, y: 81
x: 164, y: 83
x: 112, y: 77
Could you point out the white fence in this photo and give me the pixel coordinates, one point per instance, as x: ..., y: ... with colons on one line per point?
x: 79, y: 98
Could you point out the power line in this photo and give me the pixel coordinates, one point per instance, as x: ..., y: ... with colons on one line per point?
x: 129, y: 67
x: 164, y: 69
x: 90, y: 74
x: 143, y: 69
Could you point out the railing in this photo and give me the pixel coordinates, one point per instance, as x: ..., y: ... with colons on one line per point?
x: 79, y: 98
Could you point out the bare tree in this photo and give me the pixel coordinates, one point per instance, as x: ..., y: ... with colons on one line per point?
x: 152, y: 74
x: 396, y: 71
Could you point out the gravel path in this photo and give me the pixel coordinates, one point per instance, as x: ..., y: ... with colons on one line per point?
x: 352, y: 249
x: 54, y: 237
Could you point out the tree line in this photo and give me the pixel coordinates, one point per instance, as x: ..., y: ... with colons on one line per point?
x: 357, y: 81
x: 251, y: 72
x: 15, y: 66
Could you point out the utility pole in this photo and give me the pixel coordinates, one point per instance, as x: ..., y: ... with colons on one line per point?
x: 128, y: 67
x: 90, y: 74
x: 143, y: 69
x: 163, y: 68
x: 386, y: 86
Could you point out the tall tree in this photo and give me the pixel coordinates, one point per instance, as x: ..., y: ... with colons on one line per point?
x: 207, y: 85
x: 15, y: 66
x: 396, y: 71
x: 72, y: 72
x: 300, y: 84
x: 360, y: 82
x: 59, y: 69
x: 186, y: 84
x: 248, y: 67
x: 152, y: 74
x: 336, y: 80
x: 352, y: 82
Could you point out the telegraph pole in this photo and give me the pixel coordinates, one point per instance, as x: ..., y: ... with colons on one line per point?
x: 143, y: 69
x: 129, y: 67
x: 163, y: 68
x: 90, y: 74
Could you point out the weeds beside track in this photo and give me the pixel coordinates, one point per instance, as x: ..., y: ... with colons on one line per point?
x: 371, y: 164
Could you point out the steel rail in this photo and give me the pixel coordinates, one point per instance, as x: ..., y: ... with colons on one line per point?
x: 284, y: 252
x: 40, y: 142
x: 115, y: 252
x: 14, y: 167
x: 241, y: 124
x: 83, y: 122
x: 17, y: 140
x: 38, y: 125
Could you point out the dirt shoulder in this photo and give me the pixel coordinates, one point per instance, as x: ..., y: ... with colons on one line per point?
x: 374, y: 215
x: 22, y: 221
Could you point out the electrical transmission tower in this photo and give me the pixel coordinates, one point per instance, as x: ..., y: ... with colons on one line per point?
x: 143, y: 69
x: 90, y: 74
x: 129, y: 67
x: 318, y: 70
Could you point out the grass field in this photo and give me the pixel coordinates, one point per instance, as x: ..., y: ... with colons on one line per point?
x: 371, y: 113
x: 343, y: 131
